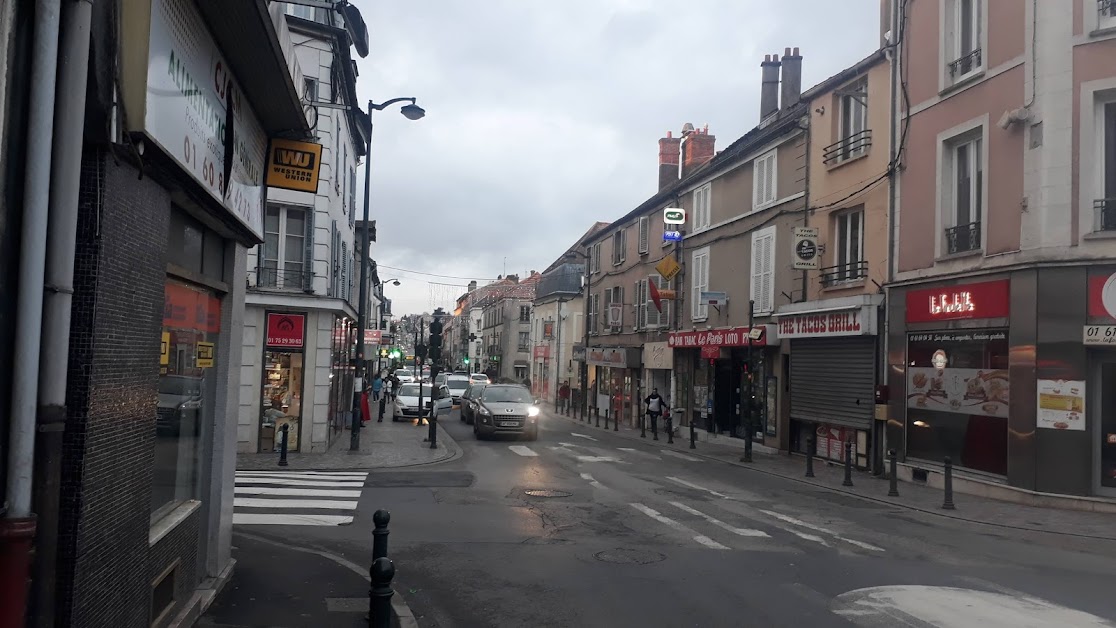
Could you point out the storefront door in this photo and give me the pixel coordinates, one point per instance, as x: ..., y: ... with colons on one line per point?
x: 1104, y: 426
x: 281, y: 397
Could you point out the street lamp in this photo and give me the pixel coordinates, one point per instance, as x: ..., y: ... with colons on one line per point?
x: 584, y: 358
x: 412, y: 112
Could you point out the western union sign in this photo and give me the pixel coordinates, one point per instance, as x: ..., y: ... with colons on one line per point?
x: 294, y: 165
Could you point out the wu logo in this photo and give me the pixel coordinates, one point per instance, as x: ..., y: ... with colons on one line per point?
x: 293, y: 158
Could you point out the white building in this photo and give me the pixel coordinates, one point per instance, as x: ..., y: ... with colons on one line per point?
x: 300, y: 315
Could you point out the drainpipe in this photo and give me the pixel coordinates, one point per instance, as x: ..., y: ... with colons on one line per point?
x: 17, y: 529
x: 69, y: 127
x: 893, y: 179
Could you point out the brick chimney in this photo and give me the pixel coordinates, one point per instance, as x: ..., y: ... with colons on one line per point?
x: 668, y: 159
x: 769, y: 88
x: 791, y: 89
x: 472, y: 286
x: 697, y: 148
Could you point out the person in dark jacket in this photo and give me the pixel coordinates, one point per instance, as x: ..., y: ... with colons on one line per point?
x: 656, y: 405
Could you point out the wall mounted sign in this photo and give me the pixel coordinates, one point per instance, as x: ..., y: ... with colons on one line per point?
x: 674, y: 216
x: 855, y: 322
x: 204, y: 355
x: 294, y: 165
x: 987, y: 299
x: 541, y: 351
x: 620, y: 357
x: 1102, y: 297
x: 186, y: 308
x: 805, y: 248
x: 658, y: 355
x: 672, y: 236
x: 714, y: 298
x: 1061, y: 404
x: 286, y: 330
x: 732, y: 337
x: 668, y: 268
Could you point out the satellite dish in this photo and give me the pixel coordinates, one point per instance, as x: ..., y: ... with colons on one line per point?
x: 358, y: 30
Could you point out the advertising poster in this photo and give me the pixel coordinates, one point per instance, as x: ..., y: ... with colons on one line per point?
x: 1061, y: 404
x: 983, y: 392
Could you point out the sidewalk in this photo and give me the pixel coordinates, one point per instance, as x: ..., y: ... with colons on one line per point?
x: 917, y: 497
x: 382, y: 445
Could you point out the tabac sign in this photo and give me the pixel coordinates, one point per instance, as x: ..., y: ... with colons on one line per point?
x: 294, y: 165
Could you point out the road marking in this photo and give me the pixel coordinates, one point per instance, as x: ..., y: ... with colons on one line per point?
x: 817, y: 528
x: 585, y: 436
x: 627, y: 448
x: 290, y: 519
x: 678, y: 455
x: 290, y: 482
x: 564, y: 445
x: 522, y: 450
x: 700, y: 538
x: 295, y: 492
x: 594, y: 483
x: 318, y: 504
x: 719, y: 523
x: 305, y: 474
x: 596, y: 459
x: 695, y: 486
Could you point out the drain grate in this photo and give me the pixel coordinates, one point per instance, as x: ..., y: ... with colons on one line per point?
x: 545, y: 492
x: 623, y: 556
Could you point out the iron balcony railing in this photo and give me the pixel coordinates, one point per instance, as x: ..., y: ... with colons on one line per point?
x: 1106, y: 8
x: 283, y: 279
x: 965, y: 64
x: 1105, y: 209
x: 854, y: 145
x: 833, y: 275
x: 963, y: 238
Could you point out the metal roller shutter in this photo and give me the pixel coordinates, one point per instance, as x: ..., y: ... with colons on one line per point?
x: 833, y: 380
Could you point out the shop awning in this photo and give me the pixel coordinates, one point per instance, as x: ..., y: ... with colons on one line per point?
x: 521, y: 363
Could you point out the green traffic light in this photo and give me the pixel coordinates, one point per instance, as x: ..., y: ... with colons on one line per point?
x: 466, y: 360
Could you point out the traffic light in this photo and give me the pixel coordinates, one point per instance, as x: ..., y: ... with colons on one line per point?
x: 466, y: 360
x: 435, y: 340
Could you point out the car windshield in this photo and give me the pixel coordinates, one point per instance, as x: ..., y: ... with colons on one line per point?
x: 412, y: 390
x: 404, y: 373
x: 476, y: 389
x: 513, y: 394
x: 457, y: 383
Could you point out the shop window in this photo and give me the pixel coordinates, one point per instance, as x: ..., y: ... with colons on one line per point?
x: 958, y: 398
x: 1104, y: 202
x: 283, y: 264
x: 187, y: 384
x: 193, y: 247
x: 282, y: 399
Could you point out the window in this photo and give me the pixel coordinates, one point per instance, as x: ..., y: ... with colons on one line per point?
x: 855, y: 138
x: 700, y: 283
x: 595, y: 258
x: 763, y: 270
x: 297, y: 10
x: 967, y: 195
x: 644, y: 233
x: 1105, y: 205
x: 525, y: 313
x: 343, y: 174
x: 763, y: 181
x: 284, y: 249
x: 966, y: 34
x: 1106, y: 14
x: 524, y: 341
x: 335, y: 265
x: 345, y: 271
x: 849, y: 248
x: 619, y: 242
x: 650, y: 317
x: 352, y: 196
x: 594, y: 312
x: 702, y: 208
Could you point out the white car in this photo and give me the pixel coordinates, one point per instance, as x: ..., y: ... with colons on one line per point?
x: 479, y: 378
x: 407, y: 401
x: 405, y: 376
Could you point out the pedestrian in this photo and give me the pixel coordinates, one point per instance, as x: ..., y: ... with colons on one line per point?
x: 564, y: 396
x: 655, y: 405
x: 377, y: 385
x: 527, y: 382
x: 365, y: 411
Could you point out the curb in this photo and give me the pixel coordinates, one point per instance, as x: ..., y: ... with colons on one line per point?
x: 867, y: 498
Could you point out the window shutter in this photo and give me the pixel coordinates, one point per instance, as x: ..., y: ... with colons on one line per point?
x: 334, y: 246
x: 344, y: 270
x: 769, y: 273
x: 760, y: 181
x: 623, y: 245
x: 640, y: 306
x: 308, y: 253
x: 644, y: 236
x: 620, y: 302
x: 700, y: 283
x: 757, y: 272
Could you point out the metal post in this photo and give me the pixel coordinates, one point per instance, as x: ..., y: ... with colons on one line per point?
x: 379, y: 597
x: 433, y: 435
x: 748, y: 399
x: 948, y: 503
x: 616, y: 416
x: 693, y: 434
x: 585, y: 356
x: 848, y: 464
x: 654, y: 427
x: 597, y: 413
x: 811, y: 447
x: 643, y: 425
x: 669, y: 427
x: 893, y: 481
x: 606, y: 416
x: 380, y: 520
x: 358, y: 366
x: 283, y: 444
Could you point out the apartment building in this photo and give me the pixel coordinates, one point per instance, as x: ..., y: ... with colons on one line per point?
x: 1001, y: 305
x: 506, y: 327
x: 833, y: 335
x: 300, y: 321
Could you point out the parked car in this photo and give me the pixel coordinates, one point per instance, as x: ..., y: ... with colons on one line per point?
x: 457, y: 385
x: 479, y: 378
x: 506, y: 409
x: 407, y: 401
x: 469, y: 400
x: 405, y: 376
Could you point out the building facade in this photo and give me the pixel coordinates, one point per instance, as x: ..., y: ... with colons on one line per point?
x: 557, y: 325
x: 506, y: 327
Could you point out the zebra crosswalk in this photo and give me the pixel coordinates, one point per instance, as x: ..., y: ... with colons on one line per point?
x: 297, y: 498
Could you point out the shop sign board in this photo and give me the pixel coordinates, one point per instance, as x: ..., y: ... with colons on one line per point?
x: 164, y: 349
x: 578, y: 353
x: 619, y: 357
x: 190, y: 90
x: 668, y: 268
x: 372, y: 336
x: 186, y: 308
x: 731, y: 337
x: 1061, y: 404
x: 286, y: 330
x: 541, y: 351
x: 1100, y: 335
x: 986, y: 299
x: 674, y: 216
x: 672, y: 236
x: 1102, y: 308
x: 294, y: 165
x: 204, y: 355
x: 860, y: 321
x: 805, y: 248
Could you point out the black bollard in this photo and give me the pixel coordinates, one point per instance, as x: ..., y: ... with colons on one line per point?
x: 380, y: 520
x: 670, y: 428
x: 893, y: 485
x: 283, y: 445
x: 597, y: 413
x: 606, y: 417
x: 848, y: 464
x: 379, y: 597
x: 383, y: 405
x: 948, y: 503
x: 811, y: 445
x: 693, y: 434
x: 643, y: 425
x: 616, y: 422
x: 433, y: 435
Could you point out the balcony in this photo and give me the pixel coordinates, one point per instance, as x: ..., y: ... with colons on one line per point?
x: 841, y: 273
x: 852, y: 146
x: 963, y: 238
x: 1105, y: 209
x: 965, y: 64
x: 284, y: 279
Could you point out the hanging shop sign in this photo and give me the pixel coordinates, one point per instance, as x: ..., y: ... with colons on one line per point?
x: 541, y: 351
x: 805, y: 248
x: 373, y: 336
x: 204, y: 355
x: 672, y: 236
x: 190, y: 92
x: 620, y: 357
x: 658, y: 355
x: 668, y: 268
x: 578, y: 353
x: 674, y: 216
x: 286, y: 330
x: 860, y: 321
x: 293, y: 165
x: 987, y: 299
x: 731, y: 337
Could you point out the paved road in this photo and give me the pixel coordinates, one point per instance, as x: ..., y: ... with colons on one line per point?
x: 638, y: 536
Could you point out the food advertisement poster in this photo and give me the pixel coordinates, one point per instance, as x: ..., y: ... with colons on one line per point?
x: 983, y: 392
x: 1061, y: 404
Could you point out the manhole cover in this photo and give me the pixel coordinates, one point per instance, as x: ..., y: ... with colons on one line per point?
x: 622, y: 556
x: 545, y: 492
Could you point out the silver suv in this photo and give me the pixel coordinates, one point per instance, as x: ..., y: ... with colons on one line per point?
x: 506, y: 409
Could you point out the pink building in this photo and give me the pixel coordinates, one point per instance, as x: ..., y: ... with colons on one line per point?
x: 1002, y: 290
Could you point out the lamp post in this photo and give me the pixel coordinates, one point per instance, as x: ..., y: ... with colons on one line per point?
x: 585, y: 358
x: 412, y: 112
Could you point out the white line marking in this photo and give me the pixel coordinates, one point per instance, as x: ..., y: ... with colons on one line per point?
x: 320, y: 504
x: 596, y: 459
x: 289, y: 519
x: 719, y: 523
x: 522, y: 450
x: 564, y: 445
x: 695, y: 486
x: 287, y: 482
x: 654, y: 514
x: 339, y: 475
x: 817, y: 528
x: 626, y: 448
x: 586, y: 436
x: 594, y: 483
x: 294, y: 492
x: 682, y: 456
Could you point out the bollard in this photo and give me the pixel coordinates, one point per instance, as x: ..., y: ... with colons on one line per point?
x: 597, y: 413
x: 670, y: 428
x: 811, y: 444
x: 654, y: 427
x: 383, y: 404
x: 433, y: 434
x: 643, y: 425
x: 380, y: 519
x: 379, y: 596
x: 606, y: 417
x: 693, y: 434
x: 616, y: 422
x: 283, y: 445
x: 948, y: 503
x: 848, y: 464
x: 893, y: 485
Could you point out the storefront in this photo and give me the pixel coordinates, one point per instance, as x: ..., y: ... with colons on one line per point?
x: 658, y: 364
x: 615, y: 373
x: 833, y: 353
x: 540, y: 382
x: 282, y: 387
x: 1063, y: 404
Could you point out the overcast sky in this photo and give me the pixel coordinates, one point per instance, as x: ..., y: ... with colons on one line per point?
x: 544, y: 116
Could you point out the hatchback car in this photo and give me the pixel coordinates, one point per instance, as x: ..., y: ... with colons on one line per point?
x: 479, y: 378
x: 457, y: 385
x: 506, y: 409
x: 405, y: 376
x: 407, y: 401
x: 469, y: 402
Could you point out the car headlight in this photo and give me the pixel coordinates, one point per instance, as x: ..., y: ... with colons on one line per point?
x: 484, y: 411
x: 533, y: 411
